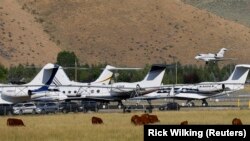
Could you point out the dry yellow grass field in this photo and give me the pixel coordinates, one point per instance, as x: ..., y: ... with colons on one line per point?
x: 116, y: 127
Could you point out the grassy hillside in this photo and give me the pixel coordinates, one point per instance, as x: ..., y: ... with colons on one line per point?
x: 22, y: 39
x: 235, y: 10
x: 135, y: 33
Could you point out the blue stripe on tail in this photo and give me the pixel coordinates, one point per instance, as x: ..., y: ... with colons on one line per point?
x: 46, y: 86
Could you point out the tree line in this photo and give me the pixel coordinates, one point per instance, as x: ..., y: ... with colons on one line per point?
x: 88, y: 73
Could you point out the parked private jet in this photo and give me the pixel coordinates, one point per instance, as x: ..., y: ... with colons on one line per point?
x: 104, y: 79
x: 39, y: 85
x: 212, y: 57
x: 111, y: 92
x: 61, y: 79
x: 202, y: 91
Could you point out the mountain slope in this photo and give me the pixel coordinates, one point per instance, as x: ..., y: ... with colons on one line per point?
x: 135, y: 33
x: 22, y: 39
x: 235, y: 10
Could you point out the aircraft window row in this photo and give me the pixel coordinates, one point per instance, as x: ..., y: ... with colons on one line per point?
x: 178, y: 90
x: 189, y: 90
x: 207, y: 86
x: 55, y: 90
x: 69, y: 92
x: 169, y: 88
x: 163, y: 91
x: 97, y: 91
x: 92, y: 91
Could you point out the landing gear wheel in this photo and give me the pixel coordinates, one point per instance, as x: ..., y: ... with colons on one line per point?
x: 204, y: 104
x: 190, y: 104
x: 104, y: 106
x: 119, y: 106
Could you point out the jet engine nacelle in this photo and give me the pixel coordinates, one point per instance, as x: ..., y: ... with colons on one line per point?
x: 14, y: 92
x: 211, y: 88
x: 48, y: 96
x: 123, y: 87
x: 36, y: 95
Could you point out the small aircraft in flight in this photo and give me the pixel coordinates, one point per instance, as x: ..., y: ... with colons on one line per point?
x: 10, y: 93
x: 211, y: 57
x: 202, y: 91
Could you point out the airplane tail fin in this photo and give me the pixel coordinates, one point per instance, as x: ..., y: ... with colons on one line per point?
x: 221, y: 52
x: 61, y: 78
x: 155, y: 75
x: 44, y: 77
x: 105, y: 76
x: 239, y: 74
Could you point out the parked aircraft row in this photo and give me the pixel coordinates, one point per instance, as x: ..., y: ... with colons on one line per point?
x: 40, y: 84
x: 52, y: 83
x: 41, y: 87
x: 204, y: 90
x: 105, y: 92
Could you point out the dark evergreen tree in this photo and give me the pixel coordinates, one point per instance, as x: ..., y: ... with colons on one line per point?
x: 16, y: 74
x: 69, y: 61
x: 3, y: 73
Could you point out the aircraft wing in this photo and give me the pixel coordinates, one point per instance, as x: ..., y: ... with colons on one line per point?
x: 115, y: 93
x: 116, y: 68
x: 119, y: 89
x: 150, y: 98
x: 224, y: 59
x: 218, y: 59
x: 92, y: 98
x: 100, y: 98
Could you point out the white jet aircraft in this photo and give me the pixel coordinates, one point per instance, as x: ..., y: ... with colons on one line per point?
x: 109, y: 92
x: 54, y: 94
x: 38, y: 87
x: 62, y: 79
x: 212, y: 57
x: 202, y: 91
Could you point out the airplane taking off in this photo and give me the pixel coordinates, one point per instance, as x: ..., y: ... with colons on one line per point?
x: 212, y: 57
x: 112, y: 92
x: 36, y: 88
x: 204, y: 90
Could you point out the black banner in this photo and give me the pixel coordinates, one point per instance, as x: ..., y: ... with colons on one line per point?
x: 197, y: 132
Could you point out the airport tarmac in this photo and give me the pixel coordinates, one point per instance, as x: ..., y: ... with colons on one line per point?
x: 233, y: 102
x: 182, y: 108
